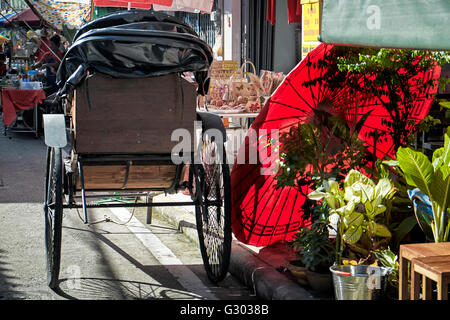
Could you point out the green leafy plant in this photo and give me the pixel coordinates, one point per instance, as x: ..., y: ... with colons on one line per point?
x: 389, y: 259
x: 433, y: 179
x: 358, y: 212
x: 317, y: 150
x: 390, y: 77
x: 316, y: 250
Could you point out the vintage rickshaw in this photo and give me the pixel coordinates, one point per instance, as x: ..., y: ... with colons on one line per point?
x: 127, y: 83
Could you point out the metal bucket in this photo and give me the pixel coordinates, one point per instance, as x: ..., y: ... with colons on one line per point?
x: 359, y: 282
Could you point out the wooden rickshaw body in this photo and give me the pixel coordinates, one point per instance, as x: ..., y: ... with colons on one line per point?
x: 122, y: 131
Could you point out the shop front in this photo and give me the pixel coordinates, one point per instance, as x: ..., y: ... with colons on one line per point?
x: 22, y: 89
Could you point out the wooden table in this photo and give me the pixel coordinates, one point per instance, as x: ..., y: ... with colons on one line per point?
x: 431, y: 269
x: 15, y: 101
x: 417, y: 250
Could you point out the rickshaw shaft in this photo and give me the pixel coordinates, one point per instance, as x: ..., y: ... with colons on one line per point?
x: 125, y: 205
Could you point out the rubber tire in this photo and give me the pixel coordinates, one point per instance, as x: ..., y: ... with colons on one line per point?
x: 53, y: 227
x: 215, y: 275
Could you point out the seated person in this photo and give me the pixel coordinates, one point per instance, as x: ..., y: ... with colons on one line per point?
x: 51, y: 61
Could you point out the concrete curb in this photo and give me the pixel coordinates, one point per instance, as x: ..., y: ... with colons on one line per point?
x: 264, y: 279
x: 261, y: 277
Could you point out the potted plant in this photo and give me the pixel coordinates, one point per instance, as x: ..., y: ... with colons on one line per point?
x: 310, y: 154
x: 317, y: 254
x: 357, y: 213
x: 389, y: 259
x: 432, y: 178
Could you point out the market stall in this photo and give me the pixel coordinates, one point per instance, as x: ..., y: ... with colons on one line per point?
x: 16, y: 103
x: 237, y: 96
x: 22, y: 89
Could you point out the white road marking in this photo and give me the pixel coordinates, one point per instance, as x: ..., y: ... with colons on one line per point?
x: 164, y: 255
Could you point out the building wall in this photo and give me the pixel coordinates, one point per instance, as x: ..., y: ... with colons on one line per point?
x: 286, y: 42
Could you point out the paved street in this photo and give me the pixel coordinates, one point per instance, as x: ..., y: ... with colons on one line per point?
x: 104, y: 260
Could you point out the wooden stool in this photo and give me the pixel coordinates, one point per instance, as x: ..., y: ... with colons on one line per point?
x: 431, y: 268
x: 417, y: 250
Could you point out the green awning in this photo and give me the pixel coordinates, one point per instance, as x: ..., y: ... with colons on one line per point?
x: 414, y: 24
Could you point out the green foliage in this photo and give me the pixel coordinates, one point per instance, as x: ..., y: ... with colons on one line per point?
x: 433, y: 179
x: 312, y: 153
x: 389, y: 260
x: 389, y: 76
x: 358, y: 211
x: 400, y: 231
x: 316, y: 249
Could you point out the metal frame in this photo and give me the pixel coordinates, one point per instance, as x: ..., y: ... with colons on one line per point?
x: 26, y: 128
x: 104, y: 159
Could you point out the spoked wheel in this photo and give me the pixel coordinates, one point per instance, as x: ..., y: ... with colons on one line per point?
x: 53, y: 212
x: 213, y: 216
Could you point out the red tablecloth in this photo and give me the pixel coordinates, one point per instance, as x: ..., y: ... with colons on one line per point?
x: 15, y: 100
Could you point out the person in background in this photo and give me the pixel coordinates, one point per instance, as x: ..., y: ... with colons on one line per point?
x: 44, y: 45
x: 8, y: 51
x: 51, y: 60
x: 2, y: 64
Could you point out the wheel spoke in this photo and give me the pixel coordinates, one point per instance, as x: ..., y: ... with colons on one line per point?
x: 213, y: 225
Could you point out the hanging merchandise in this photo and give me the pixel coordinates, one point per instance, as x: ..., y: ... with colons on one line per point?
x: 187, y: 6
x: 271, y: 12
x: 294, y: 11
x: 3, y: 40
x: 135, y: 4
x: 57, y: 13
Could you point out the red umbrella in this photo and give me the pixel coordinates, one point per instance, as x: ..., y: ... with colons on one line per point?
x: 263, y: 214
x: 136, y: 4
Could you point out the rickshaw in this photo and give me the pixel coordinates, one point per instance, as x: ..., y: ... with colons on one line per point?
x: 127, y: 83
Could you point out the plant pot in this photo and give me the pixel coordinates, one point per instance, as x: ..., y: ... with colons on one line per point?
x: 298, y: 270
x: 320, y: 282
x: 359, y: 282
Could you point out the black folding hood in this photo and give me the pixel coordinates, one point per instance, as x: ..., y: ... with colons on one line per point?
x: 135, y: 44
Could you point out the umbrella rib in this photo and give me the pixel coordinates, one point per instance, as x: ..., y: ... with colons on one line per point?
x: 289, y: 106
x: 255, y: 222
x: 278, y: 119
x: 281, y: 210
x: 295, y: 90
x: 310, y: 87
x: 255, y: 197
x: 320, y: 86
x: 265, y: 182
x: 270, y: 215
x: 292, y: 211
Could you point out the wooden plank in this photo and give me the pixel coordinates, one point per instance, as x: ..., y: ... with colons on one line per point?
x: 403, y: 278
x: 151, y: 176
x: 415, y: 284
x: 442, y: 288
x: 426, y: 288
x: 410, y: 251
x: 416, y: 250
x: 435, y: 264
x: 112, y: 177
x: 103, y: 177
x: 132, y: 115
